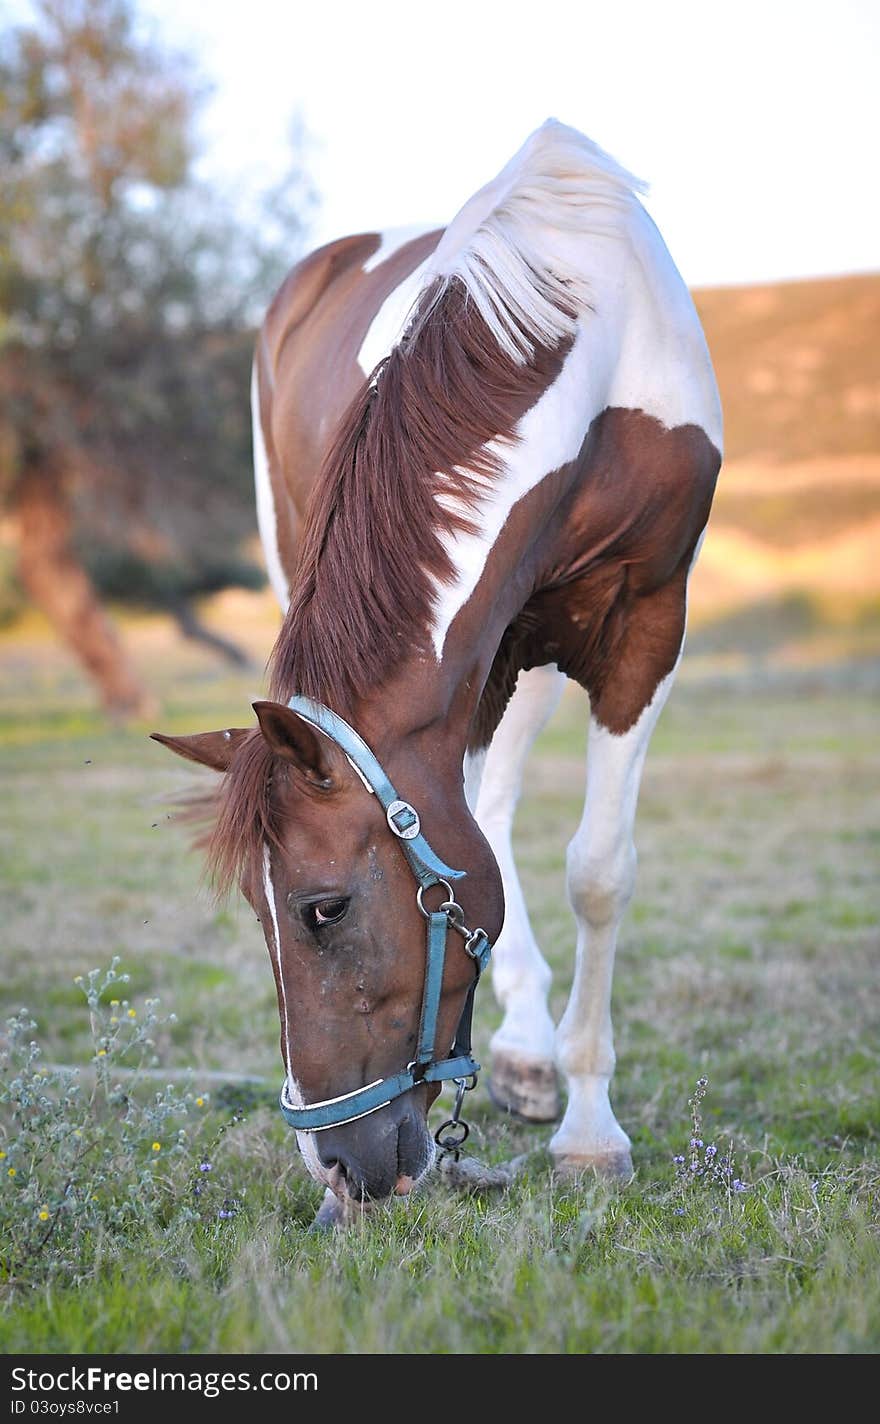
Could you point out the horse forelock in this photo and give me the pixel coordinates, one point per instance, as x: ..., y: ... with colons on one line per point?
x: 242, y: 816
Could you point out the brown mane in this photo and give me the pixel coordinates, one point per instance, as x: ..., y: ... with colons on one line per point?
x: 372, y: 546
x: 372, y: 539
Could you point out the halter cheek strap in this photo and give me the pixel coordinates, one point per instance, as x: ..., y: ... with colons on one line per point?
x: 428, y: 870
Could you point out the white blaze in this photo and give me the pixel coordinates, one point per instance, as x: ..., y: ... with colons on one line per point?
x: 275, y: 951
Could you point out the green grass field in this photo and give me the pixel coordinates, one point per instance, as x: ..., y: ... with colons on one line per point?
x: 750, y: 956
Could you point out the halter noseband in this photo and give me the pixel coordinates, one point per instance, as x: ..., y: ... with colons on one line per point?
x: 429, y: 870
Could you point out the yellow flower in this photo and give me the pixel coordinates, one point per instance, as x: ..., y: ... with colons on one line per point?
x: 77, y: 1132
x: 157, y: 1147
x: 102, y: 1053
x: 114, y: 1003
x: 10, y: 1171
x: 113, y: 1019
x: 78, y: 979
x: 2, y: 1155
x: 200, y: 1103
x: 132, y: 1013
x: 44, y: 1215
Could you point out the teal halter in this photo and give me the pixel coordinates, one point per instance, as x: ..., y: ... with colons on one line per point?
x: 429, y: 870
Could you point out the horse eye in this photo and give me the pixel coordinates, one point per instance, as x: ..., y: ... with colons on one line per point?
x: 326, y: 912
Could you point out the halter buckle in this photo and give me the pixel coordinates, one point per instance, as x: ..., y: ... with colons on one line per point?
x: 403, y: 820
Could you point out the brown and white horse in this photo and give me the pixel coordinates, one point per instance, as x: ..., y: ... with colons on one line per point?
x: 485, y: 458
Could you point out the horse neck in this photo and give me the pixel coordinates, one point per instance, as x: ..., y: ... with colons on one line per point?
x: 417, y: 722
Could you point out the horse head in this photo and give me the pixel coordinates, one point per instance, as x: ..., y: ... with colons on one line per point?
x: 367, y: 930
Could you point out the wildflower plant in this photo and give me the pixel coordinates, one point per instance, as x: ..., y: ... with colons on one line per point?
x: 702, y: 1164
x: 88, y: 1158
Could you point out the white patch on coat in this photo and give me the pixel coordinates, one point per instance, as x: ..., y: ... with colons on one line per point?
x: 472, y: 775
x: 640, y: 347
x: 525, y: 290
x: 520, y: 974
x: 266, y: 520
x: 561, y: 208
x: 601, y: 869
x: 550, y: 435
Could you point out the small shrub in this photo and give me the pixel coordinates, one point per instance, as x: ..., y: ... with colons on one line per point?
x: 82, y: 1163
x: 702, y: 1164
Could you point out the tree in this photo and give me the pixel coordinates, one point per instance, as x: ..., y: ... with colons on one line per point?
x: 127, y: 299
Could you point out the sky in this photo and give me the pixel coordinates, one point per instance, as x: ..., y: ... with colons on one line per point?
x: 756, y: 123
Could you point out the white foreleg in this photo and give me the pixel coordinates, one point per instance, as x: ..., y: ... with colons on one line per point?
x: 523, y: 1071
x: 601, y: 867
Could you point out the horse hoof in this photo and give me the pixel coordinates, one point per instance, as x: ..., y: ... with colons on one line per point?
x: 614, y: 1166
x: 527, y: 1088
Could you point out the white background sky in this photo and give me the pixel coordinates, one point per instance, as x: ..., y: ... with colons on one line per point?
x: 756, y: 122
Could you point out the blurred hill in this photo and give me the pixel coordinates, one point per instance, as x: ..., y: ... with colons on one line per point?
x: 795, y: 528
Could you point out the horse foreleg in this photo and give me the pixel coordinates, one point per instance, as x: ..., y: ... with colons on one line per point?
x: 601, y: 868
x: 524, y: 1077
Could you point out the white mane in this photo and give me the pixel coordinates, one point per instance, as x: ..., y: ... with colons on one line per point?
x: 560, y: 180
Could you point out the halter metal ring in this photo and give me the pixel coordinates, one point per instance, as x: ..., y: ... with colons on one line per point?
x: 421, y: 890
x: 447, y: 1143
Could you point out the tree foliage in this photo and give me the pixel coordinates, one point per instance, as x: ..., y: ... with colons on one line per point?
x: 128, y: 294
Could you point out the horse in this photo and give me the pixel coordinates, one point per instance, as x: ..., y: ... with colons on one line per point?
x: 485, y: 457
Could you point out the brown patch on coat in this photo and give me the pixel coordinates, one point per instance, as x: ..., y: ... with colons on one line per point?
x: 296, y: 300
x: 609, y: 573
x: 307, y: 363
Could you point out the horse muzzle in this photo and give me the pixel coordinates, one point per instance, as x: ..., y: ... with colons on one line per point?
x: 377, y: 1156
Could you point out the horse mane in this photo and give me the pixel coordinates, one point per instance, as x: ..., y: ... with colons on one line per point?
x: 409, y: 464
x: 426, y: 435
x: 421, y: 444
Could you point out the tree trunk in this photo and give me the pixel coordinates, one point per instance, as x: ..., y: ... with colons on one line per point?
x: 61, y: 588
x: 192, y: 627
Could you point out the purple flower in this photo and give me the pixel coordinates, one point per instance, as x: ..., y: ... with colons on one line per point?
x: 696, y: 1142
x: 678, y: 1159
x: 204, y: 1166
x: 710, y: 1151
x: 702, y: 1082
x: 225, y: 1215
x: 739, y: 1186
x: 679, y: 1211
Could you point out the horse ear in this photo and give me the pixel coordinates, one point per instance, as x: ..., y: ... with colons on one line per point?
x: 295, y: 741
x: 214, y: 749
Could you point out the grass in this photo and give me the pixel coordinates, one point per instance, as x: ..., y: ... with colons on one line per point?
x: 749, y: 955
